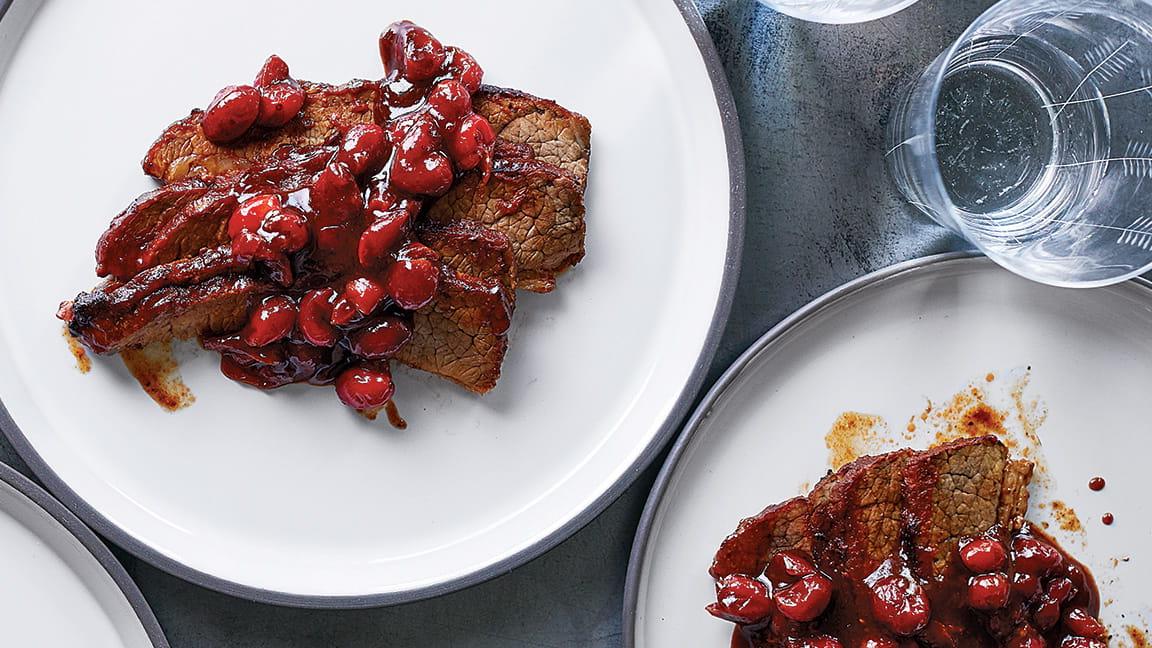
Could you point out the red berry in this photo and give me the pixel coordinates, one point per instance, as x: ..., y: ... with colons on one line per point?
x: 382, y: 339
x: 787, y: 566
x: 411, y: 51
x: 471, y: 144
x: 805, y: 599
x: 1082, y: 642
x: 315, y: 320
x: 1079, y: 622
x: 431, y: 175
x: 900, y: 604
x: 287, y: 230
x: 1026, y: 585
x: 982, y: 555
x: 364, y: 149
x: 279, y: 103
x: 450, y: 99
x: 1047, y: 614
x: 1031, y: 556
x: 741, y: 599
x: 412, y: 283
x: 230, y: 114
x: 381, y: 197
x: 271, y: 321
x: 1060, y: 589
x: 364, y: 293
x: 988, y: 591
x: 343, y: 312
x: 274, y: 69
x: 335, y: 196
x: 250, y: 214
x: 464, y: 69
x: 365, y: 387
x: 879, y: 642
x: 382, y: 236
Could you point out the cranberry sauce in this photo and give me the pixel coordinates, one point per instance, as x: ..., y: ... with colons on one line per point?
x: 332, y: 225
x: 1016, y: 590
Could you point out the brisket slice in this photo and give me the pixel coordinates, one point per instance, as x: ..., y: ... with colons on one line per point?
x: 118, y: 251
x: 556, y: 135
x: 537, y: 206
x: 182, y: 151
x: 876, y: 507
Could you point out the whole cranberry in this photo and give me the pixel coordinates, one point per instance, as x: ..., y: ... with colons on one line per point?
x: 381, y: 339
x: 287, y: 230
x: 315, y: 319
x: 1082, y: 642
x: 364, y: 293
x: 271, y: 321
x: 365, y: 387
x: 273, y: 70
x: 343, y: 312
x: 380, y: 196
x: 988, y: 591
x: 450, y: 99
x: 279, y: 103
x: 412, y: 283
x: 1046, y: 614
x: 385, y: 232
x: 1026, y: 585
x: 465, y: 69
x: 741, y: 599
x: 364, y: 149
x: 250, y: 214
x: 1060, y: 589
x: 787, y: 566
x: 429, y: 175
x: 983, y: 555
x: 411, y: 52
x: 231, y: 114
x: 806, y: 599
x: 470, y: 145
x: 900, y: 604
x: 335, y: 196
x: 1027, y: 637
x: 1079, y: 622
x: 1032, y: 556
x: 879, y: 642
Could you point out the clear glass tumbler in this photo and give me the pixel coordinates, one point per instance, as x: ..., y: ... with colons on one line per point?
x: 1032, y: 138
x: 838, y: 11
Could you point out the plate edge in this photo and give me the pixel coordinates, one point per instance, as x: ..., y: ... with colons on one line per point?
x: 736, y: 217
x: 644, y: 528
x: 92, y: 544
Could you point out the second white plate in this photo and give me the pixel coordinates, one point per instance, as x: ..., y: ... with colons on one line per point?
x: 886, y: 345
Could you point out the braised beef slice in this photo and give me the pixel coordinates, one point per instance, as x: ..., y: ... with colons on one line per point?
x: 556, y: 135
x: 781, y: 527
x: 118, y: 251
x: 901, y: 503
x: 473, y: 250
x: 951, y: 492
x: 538, y: 207
x: 183, y: 152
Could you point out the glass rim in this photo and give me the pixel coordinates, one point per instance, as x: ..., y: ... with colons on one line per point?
x: 867, y: 17
x: 937, y: 179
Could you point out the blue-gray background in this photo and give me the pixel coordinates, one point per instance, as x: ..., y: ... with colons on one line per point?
x: 813, y: 101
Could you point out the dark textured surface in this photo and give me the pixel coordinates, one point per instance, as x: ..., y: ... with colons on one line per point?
x: 813, y: 100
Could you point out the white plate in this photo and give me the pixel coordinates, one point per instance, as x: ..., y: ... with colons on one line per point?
x: 62, y: 587
x: 883, y: 345
x: 290, y: 497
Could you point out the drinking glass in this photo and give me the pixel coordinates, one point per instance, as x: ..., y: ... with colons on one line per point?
x: 1032, y: 138
x: 838, y: 11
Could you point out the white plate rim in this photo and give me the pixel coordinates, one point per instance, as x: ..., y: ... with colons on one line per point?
x: 736, y: 219
x: 728, y: 378
x: 91, y: 543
